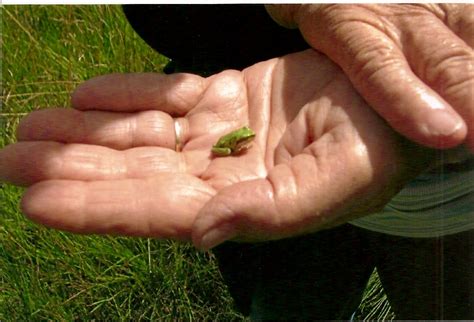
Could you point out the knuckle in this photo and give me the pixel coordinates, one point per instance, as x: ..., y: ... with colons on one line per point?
x: 53, y: 166
x: 451, y: 71
x: 462, y: 86
x: 283, y: 14
x: 375, y: 61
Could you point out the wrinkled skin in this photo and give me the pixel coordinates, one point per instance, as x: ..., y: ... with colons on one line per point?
x: 414, y: 63
x: 320, y: 157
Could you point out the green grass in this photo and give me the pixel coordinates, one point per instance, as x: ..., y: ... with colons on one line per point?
x: 51, y: 275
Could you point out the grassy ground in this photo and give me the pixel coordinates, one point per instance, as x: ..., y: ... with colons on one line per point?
x: 50, y: 275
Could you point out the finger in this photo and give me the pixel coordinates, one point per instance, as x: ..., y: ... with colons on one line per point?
x: 380, y: 72
x: 445, y: 63
x: 174, y: 94
x: 26, y: 163
x: 162, y: 207
x: 114, y: 130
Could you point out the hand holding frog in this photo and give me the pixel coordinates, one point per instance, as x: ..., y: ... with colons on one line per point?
x: 319, y: 156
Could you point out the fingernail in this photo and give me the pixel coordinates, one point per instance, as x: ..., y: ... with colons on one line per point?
x: 216, y: 236
x: 443, y: 123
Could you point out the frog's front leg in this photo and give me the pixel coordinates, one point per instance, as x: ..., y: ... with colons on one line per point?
x: 221, y: 151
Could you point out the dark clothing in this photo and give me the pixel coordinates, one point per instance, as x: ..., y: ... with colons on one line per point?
x: 205, y: 39
x: 323, y: 275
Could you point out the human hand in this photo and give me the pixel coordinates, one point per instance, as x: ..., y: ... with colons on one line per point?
x: 321, y: 156
x: 414, y: 64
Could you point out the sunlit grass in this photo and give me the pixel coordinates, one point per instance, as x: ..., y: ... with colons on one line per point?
x: 51, y: 275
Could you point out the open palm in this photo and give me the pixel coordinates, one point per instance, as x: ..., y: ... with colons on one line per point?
x: 320, y: 156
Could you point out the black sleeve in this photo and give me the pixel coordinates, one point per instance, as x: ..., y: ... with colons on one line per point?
x: 210, y: 38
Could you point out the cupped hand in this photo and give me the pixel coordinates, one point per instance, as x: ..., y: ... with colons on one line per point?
x: 320, y: 156
x: 414, y: 64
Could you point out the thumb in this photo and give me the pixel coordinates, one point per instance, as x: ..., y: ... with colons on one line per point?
x: 245, y: 208
x: 379, y: 69
x: 304, y: 195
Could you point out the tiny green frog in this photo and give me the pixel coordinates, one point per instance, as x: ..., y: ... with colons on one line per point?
x: 234, y: 142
